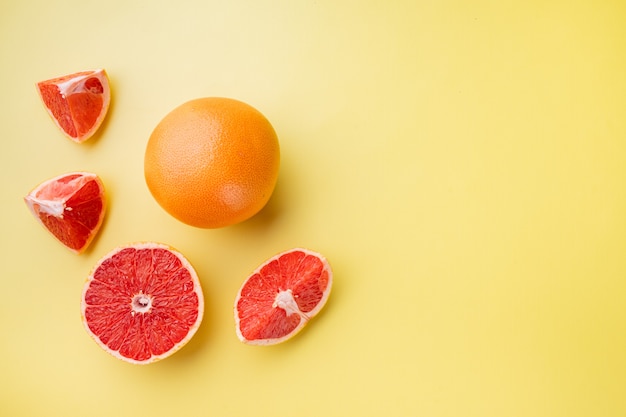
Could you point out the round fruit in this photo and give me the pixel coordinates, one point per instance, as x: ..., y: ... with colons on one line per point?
x: 212, y: 162
x: 71, y: 207
x: 142, y: 302
x: 78, y: 103
x: 281, y: 296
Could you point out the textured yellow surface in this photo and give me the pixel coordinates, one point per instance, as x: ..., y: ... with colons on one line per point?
x: 460, y: 163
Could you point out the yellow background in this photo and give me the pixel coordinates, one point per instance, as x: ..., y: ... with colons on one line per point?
x: 460, y: 163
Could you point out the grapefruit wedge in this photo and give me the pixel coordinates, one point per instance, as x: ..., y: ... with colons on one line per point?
x: 71, y: 207
x: 142, y: 302
x: 77, y: 103
x: 281, y: 296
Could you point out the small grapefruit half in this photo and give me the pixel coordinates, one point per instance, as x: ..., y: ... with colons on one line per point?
x: 71, y: 207
x: 77, y: 103
x: 281, y: 296
x: 142, y: 302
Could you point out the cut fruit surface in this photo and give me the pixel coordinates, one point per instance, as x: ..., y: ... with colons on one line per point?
x: 78, y: 103
x: 142, y: 302
x: 71, y: 207
x: 281, y: 296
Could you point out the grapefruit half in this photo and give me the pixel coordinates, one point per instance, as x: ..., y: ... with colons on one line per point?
x: 142, y: 302
x: 281, y: 296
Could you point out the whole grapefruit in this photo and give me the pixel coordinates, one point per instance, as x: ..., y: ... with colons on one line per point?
x: 212, y: 162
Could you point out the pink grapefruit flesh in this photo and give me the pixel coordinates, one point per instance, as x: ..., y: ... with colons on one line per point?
x: 281, y: 296
x: 71, y: 207
x: 78, y: 103
x: 142, y: 302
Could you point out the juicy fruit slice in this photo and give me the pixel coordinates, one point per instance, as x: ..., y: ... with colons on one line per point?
x: 78, y: 103
x: 142, y: 302
x: 71, y: 206
x: 281, y: 296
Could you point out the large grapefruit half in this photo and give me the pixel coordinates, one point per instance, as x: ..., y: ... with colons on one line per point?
x: 142, y: 302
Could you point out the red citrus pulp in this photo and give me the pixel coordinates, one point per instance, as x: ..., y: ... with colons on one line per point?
x: 70, y: 206
x: 78, y: 103
x: 281, y: 296
x: 142, y: 302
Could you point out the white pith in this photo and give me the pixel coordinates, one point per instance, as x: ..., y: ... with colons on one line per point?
x: 75, y: 84
x: 285, y: 300
x: 54, y: 208
x: 72, y: 85
x: 141, y: 303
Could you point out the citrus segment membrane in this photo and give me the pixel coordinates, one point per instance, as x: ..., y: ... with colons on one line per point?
x: 71, y: 207
x: 78, y: 103
x: 281, y: 296
x: 142, y: 302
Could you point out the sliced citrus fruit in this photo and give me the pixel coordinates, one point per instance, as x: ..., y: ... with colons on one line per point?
x: 142, y: 302
x: 281, y: 296
x: 78, y: 103
x: 71, y: 206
